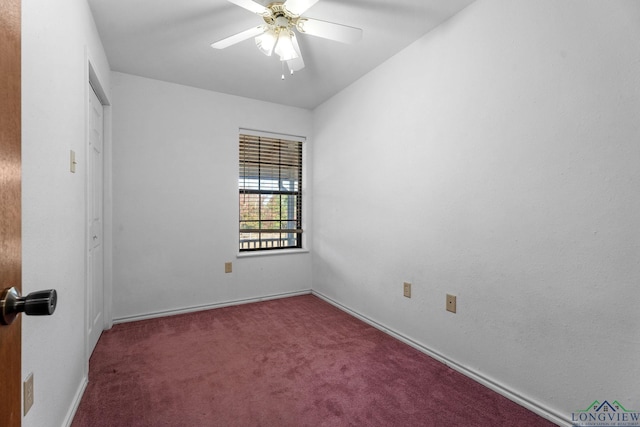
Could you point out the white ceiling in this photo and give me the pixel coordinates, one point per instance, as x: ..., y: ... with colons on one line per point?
x: 170, y: 40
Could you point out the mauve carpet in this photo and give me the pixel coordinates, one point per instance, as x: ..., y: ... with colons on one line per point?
x: 291, y: 362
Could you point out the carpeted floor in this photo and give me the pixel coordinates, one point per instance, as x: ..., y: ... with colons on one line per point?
x: 290, y: 362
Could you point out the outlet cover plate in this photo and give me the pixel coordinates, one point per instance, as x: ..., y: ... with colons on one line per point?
x: 407, y: 289
x: 72, y: 161
x: 228, y: 267
x: 28, y: 393
x: 451, y: 303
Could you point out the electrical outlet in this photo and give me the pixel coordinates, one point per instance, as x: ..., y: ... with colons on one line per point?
x: 28, y: 393
x: 228, y: 267
x: 407, y: 289
x: 451, y: 303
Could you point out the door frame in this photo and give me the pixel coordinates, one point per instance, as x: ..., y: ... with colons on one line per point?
x: 94, y: 83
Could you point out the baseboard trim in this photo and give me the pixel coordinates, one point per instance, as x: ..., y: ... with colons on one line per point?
x: 76, y: 402
x: 193, y: 309
x: 501, y: 389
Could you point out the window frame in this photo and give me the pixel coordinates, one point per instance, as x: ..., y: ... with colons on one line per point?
x: 298, y: 193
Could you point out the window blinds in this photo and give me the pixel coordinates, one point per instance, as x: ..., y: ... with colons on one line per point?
x: 270, y: 183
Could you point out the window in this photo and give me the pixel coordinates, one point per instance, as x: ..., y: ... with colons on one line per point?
x: 270, y: 187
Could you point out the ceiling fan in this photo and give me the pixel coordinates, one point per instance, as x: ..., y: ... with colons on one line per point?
x: 277, y: 33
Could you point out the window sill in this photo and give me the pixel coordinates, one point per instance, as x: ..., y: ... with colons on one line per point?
x: 271, y: 253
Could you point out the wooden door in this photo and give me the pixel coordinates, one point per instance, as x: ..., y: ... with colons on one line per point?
x: 95, y: 186
x: 10, y: 208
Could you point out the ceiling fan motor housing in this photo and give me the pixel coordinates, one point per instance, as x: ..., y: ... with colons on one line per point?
x: 280, y: 17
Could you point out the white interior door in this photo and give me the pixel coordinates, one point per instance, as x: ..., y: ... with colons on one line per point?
x: 95, y: 186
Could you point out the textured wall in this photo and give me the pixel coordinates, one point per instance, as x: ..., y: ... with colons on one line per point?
x: 175, y: 198
x: 57, y: 40
x: 497, y: 159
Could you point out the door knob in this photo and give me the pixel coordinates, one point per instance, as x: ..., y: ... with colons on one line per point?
x: 39, y: 303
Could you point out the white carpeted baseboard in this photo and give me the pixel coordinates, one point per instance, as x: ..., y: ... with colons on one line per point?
x: 520, y: 399
x: 496, y: 386
x: 193, y: 309
x: 76, y: 402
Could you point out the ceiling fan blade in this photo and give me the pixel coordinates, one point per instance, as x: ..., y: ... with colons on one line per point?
x: 298, y: 7
x: 295, y: 64
x: 251, y: 6
x: 237, y: 38
x: 329, y: 30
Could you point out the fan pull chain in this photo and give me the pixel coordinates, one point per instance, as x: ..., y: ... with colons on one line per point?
x: 283, y: 73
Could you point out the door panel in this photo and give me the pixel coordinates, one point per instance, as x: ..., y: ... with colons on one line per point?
x: 10, y: 208
x: 95, y: 274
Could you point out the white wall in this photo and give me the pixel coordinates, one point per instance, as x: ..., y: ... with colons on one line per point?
x: 175, y: 192
x: 58, y: 38
x: 497, y: 159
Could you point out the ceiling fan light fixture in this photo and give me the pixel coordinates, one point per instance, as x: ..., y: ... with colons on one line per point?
x: 284, y: 48
x: 276, y: 34
x: 298, y: 63
x: 267, y: 41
